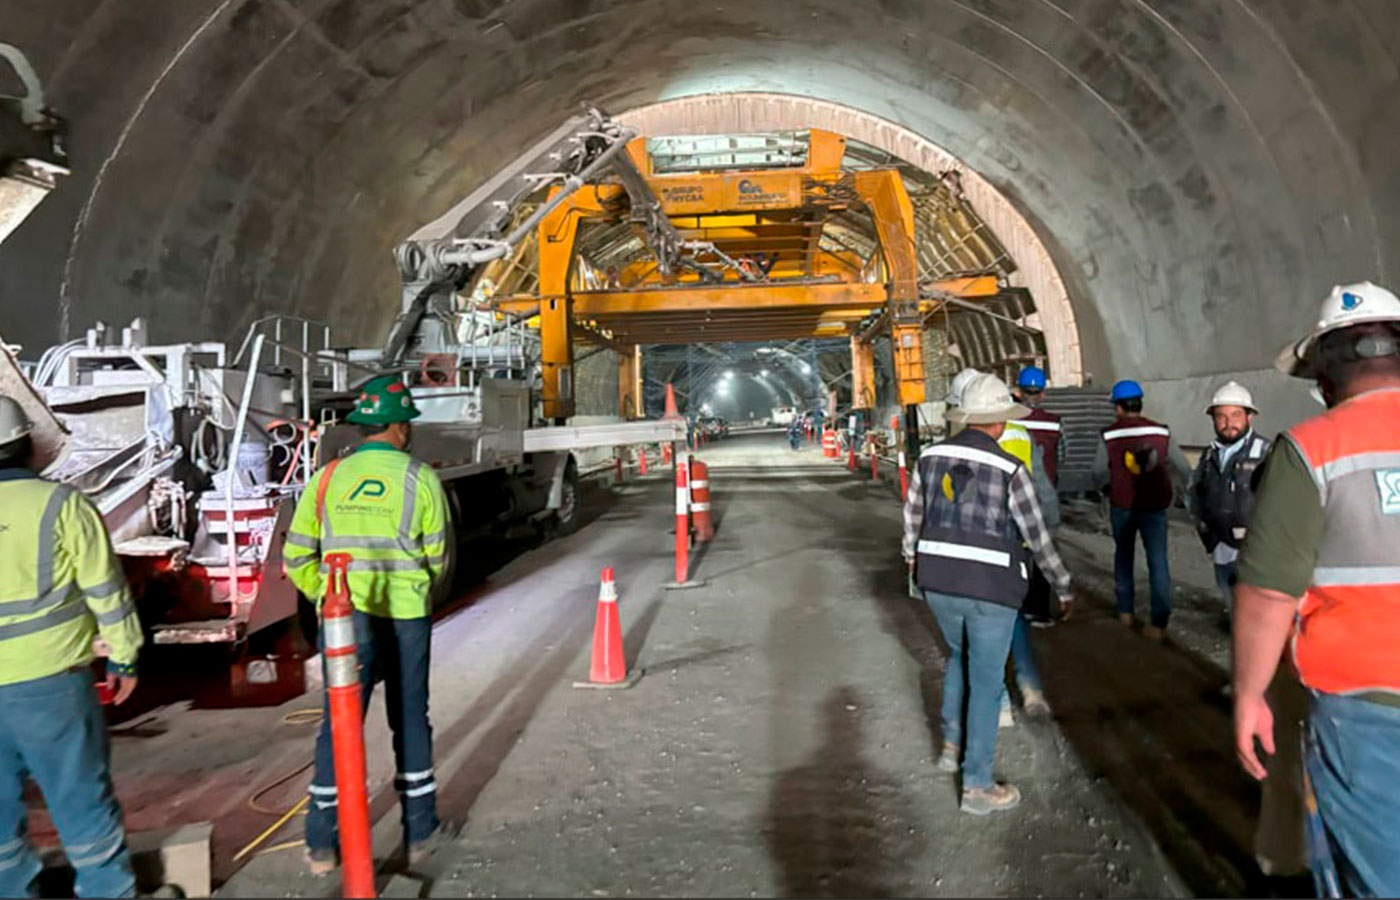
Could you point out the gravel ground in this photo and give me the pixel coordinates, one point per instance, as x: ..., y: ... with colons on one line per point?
x: 782, y: 737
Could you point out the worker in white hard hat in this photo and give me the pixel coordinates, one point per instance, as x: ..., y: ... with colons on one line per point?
x: 971, y: 524
x: 1220, y: 494
x: 1017, y: 441
x: 1221, y: 500
x: 1324, y: 552
x: 61, y: 586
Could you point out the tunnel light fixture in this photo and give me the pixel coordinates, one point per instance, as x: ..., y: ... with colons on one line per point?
x: 763, y: 374
x: 806, y: 369
x: 729, y: 374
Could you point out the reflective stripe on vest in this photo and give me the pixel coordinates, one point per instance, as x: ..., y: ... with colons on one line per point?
x: 1349, y: 620
x: 963, y: 551
x: 971, y: 454
x: 1037, y: 425
x: 1139, y: 431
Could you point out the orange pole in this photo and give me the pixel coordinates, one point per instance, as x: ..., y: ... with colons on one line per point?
x: 642, y: 461
x: 874, y: 463
x: 347, y: 731
x: 682, y: 522
x: 700, y: 501
x: 903, y: 470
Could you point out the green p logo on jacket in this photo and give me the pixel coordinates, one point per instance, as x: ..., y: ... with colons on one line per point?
x: 368, y: 488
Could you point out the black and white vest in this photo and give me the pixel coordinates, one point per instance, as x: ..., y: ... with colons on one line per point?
x: 968, y: 543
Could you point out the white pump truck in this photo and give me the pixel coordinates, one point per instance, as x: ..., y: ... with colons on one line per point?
x: 195, y: 455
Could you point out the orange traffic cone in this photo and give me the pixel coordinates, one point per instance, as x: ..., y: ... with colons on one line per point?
x: 609, y: 665
x: 671, y: 411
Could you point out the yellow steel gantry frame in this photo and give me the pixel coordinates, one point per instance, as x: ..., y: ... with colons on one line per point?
x: 775, y: 215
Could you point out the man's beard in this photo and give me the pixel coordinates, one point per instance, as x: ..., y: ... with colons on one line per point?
x: 1230, y: 440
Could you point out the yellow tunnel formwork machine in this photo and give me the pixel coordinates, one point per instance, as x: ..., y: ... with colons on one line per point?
x: 737, y: 255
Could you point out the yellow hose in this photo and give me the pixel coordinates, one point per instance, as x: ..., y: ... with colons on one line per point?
x: 271, y: 830
x: 300, y: 717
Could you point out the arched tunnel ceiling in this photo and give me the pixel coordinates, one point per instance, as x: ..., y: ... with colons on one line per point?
x: 1200, y: 169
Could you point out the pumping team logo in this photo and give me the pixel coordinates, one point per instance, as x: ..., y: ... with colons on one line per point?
x: 1388, y: 483
x: 367, y: 488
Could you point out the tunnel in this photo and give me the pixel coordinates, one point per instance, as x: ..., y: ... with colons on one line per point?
x: 1192, y: 175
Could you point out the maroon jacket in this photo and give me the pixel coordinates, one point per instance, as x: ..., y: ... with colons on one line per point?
x: 1138, y: 443
x: 1046, y: 430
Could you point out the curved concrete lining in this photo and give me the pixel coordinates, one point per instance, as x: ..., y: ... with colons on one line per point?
x: 736, y: 113
x: 1200, y: 172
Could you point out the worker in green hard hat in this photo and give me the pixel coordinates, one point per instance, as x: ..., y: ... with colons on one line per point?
x: 389, y: 512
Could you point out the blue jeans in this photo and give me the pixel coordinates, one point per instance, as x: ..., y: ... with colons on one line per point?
x: 52, y: 729
x: 979, y: 636
x: 1353, y: 760
x: 1225, y: 580
x: 1127, y: 524
x: 396, y: 652
x: 1022, y: 662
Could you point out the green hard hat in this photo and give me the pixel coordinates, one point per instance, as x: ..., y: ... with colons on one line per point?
x: 383, y: 401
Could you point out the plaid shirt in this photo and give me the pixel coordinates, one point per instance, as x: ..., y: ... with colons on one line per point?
x: 1025, y: 512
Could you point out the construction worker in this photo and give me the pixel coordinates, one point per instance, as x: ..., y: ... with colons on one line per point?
x: 389, y: 511
x: 1322, y: 564
x: 1045, y: 429
x: 1018, y: 442
x: 970, y: 515
x: 1141, y: 465
x: 1221, y: 493
x: 61, y: 586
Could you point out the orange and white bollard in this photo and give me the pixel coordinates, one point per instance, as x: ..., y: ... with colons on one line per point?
x: 347, y: 731
x: 666, y: 453
x: 829, y: 444
x: 682, y: 530
x: 642, y: 461
x: 608, y: 665
x: 700, y: 501
x: 903, y: 465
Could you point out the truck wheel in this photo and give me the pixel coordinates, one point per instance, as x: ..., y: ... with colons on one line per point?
x: 567, y: 517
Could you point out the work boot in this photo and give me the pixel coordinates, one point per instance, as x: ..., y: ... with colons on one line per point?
x: 1125, y: 619
x: 320, y: 862
x: 421, y: 851
x: 1033, y: 702
x: 1153, y: 633
x: 996, y: 798
x: 948, y: 759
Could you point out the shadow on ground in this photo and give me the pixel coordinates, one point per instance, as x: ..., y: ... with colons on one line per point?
x: 834, y: 821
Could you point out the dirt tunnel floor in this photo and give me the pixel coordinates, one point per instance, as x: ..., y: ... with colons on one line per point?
x: 782, y: 738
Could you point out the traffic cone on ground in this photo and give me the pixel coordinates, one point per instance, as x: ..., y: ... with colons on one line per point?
x: 671, y: 411
x: 608, y: 668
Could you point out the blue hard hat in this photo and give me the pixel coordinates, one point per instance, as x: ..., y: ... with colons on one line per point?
x: 1126, y: 390
x: 1032, y: 378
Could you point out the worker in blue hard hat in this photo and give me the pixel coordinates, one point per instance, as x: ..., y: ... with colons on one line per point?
x: 1046, y: 430
x: 1144, y: 471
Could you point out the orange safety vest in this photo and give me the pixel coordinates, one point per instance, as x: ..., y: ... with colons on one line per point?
x: 1349, y: 621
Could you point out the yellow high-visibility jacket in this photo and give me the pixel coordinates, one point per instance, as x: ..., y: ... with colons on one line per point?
x: 388, y: 511
x: 61, y: 584
x: 1017, y: 441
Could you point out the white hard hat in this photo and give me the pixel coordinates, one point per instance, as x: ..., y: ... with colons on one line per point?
x: 1232, y: 393
x: 959, y: 385
x: 14, y: 424
x: 986, y: 400
x: 1347, y: 305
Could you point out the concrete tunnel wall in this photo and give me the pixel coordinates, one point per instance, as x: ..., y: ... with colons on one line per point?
x: 1201, y: 171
